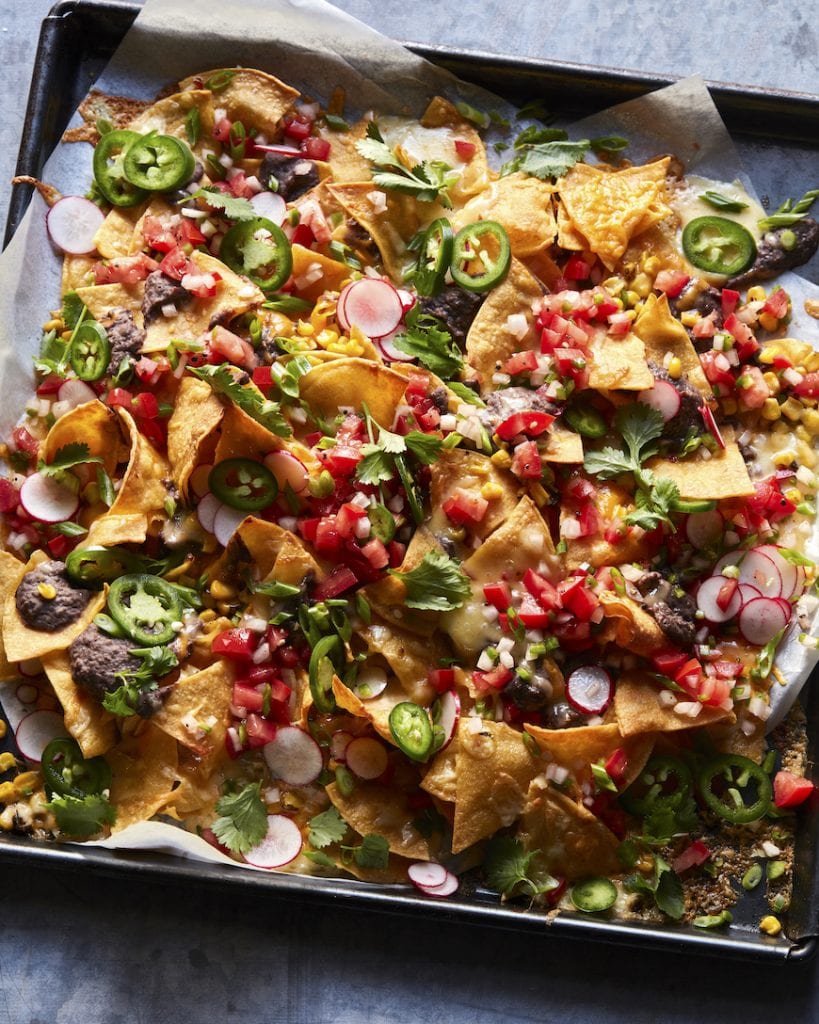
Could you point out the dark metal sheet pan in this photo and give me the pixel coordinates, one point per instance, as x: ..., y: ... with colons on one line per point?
x: 76, y: 41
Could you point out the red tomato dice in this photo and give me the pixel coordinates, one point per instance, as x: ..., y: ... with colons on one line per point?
x: 791, y: 790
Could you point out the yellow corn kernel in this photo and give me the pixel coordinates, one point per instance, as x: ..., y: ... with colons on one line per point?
x: 46, y: 591
x: 689, y: 318
x: 305, y: 329
x: 801, y: 433
x: 729, y: 406
x: 770, y: 925
x: 8, y: 793
x: 26, y: 783
x: 757, y: 294
x: 780, y: 427
x: 772, y: 381
x: 3, y: 729
x: 767, y: 356
x: 810, y: 421
x: 66, y: 335
x: 794, y: 494
x: 491, y: 490
x: 346, y: 347
x: 768, y: 321
x: 7, y: 760
x: 771, y: 410
x: 645, y: 864
x: 504, y: 459
x: 221, y: 591
x: 807, y: 456
x: 614, y: 285
x: 812, y: 362
x: 652, y: 265
x: 784, y: 458
x: 539, y: 495
x: 792, y: 409
x: 631, y: 299
x: 326, y: 337
x: 642, y: 285
x: 225, y: 607
x: 674, y: 367
x: 54, y: 325
x: 208, y: 615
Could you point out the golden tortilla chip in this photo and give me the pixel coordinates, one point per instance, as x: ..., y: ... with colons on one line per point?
x: 390, y: 219
x: 93, y: 727
x: 77, y: 272
x: 493, y: 770
x: 471, y: 471
x: 12, y: 571
x: 258, y: 543
x: 352, y: 383
x: 197, y: 413
x: 197, y: 710
x: 394, y: 873
x: 563, y: 446
x: 256, y: 99
x: 475, y: 173
x: 724, y: 475
x: 116, y: 235
x: 569, y: 841
x: 441, y: 780
x: 94, y: 425
x: 618, y: 362
x: 568, y: 237
x: 373, y: 808
x: 577, y: 749
x: 346, y: 163
x: 522, y: 205
x: 639, y: 711
x: 169, y: 116
x: 376, y: 711
x: 144, y: 770
x: 307, y: 263
x: 409, y: 657
x: 636, y: 629
x: 662, y: 334
x: 490, y: 342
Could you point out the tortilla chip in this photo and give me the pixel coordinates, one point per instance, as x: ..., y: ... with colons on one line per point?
x: 636, y: 629
x: 12, y: 571
x: 568, y: 237
x: 77, y: 271
x: 390, y: 228
x: 596, y: 550
x: 94, y: 425
x: 563, y: 446
x: 639, y: 711
x: 475, y: 175
x: 618, y: 362
x: 544, y: 269
x: 103, y: 299
x: 305, y: 262
x: 610, y: 207
x: 144, y: 770
x: 197, y: 413
x: 116, y: 235
x: 294, y: 563
x: 489, y: 342
x: 441, y: 780
x: 724, y: 475
x: 383, y: 810
x: 568, y: 840
x: 256, y: 99
x: 93, y: 727
x: 353, y: 382
x: 386, y: 596
x: 493, y: 770
x: 662, y: 334
x: 258, y: 543
x: 577, y: 749
x: 409, y: 657
x: 169, y: 116
x: 346, y: 163
x: 522, y: 205
x: 393, y: 874
x: 470, y: 471
x: 199, y: 703
x: 376, y: 711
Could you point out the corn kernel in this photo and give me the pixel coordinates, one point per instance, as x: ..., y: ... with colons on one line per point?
x: 66, y: 335
x: 768, y: 321
x: 792, y: 409
x: 221, y: 591
x: 766, y: 356
x: 801, y: 433
x: 305, y: 329
x: 54, y: 325
x: 504, y: 459
x: 8, y: 793
x: 491, y: 490
x: 784, y: 458
x: 26, y: 783
x: 807, y: 456
x: 757, y: 294
x: 642, y: 285
x: 632, y: 298
x: 47, y: 591
x: 794, y: 495
x: 674, y: 367
x: 7, y: 760
x: 652, y: 265
x: 772, y: 381
x: 3, y: 729
x: 208, y: 615
x: 645, y: 864
x: 225, y: 607
x: 539, y: 495
x: 614, y: 285
x: 770, y: 925
x: 812, y: 362
x: 689, y: 317
x: 771, y: 409
x: 810, y: 421
x: 729, y: 406
x: 326, y: 337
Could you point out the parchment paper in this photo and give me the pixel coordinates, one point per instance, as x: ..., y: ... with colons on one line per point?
x: 315, y: 47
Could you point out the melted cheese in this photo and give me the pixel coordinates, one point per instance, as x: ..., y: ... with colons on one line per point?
x: 688, y: 206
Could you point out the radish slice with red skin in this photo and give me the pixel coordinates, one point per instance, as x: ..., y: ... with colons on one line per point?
x: 446, y: 888
x: 708, y: 595
x: 366, y: 757
x: 407, y: 298
x: 293, y: 756
x: 271, y: 206
x: 198, y: 481
x: 206, y: 511
x: 756, y: 568
x: 786, y: 606
x: 370, y: 682
x: 47, y: 500
x: 589, y: 689
x: 450, y: 704
x: 704, y: 529
x: 761, y: 619
x: 663, y: 397
x: 748, y: 592
x: 343, y: 322
x: 30, y: 668
x: 280, y: 150
x: 287, y: 469
x: 72, y: 222
x: 281, y: 845
x: 76, y: 392
x: 27, y: 693
x: 789, y: 573
x: 226, y: 522
x: 36, y: 731
x: 338, y: 744
x: 390, y: 352
x: 427, y: 875
x: 373, y: 306
x: 711, y: 425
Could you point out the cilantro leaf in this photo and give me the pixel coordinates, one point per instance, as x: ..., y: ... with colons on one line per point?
x: 374, y: 852
x: 193, y: 126
x: 73, y: 310
x: 243, y: 819
x: 507, y: 867
x: 319, y: 858
x: 437, y: 583
x: 326, y: 828
x: 122, y: 702
x: 430, y: 343
x: 82, y: 817
x: 376, y: 466
x: 547, y: 160
x: 640, y: 426
x: 70, y: 455
x: 668, y: 894
x: 428, y: 181
x: 424, y: 447
x: 247, y: 397
x: 654, y: 506
x: 53, y: 357
x: 258, y: 252
x: 232, y: 208
x: 608, y: 462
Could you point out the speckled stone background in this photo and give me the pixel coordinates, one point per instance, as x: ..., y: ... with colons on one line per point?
x: 76, y: 949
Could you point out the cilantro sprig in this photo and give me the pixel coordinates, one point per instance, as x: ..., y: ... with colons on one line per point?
x: 242, y: 821
x: 546, y: 160
x: 82, y: 817
x: 428, y: 181
x: 224, y: 380
x: 430, y: 343
x: 437, y: 583
x: 70, y: 455
x: 229, y: 206
x: 326, y: 828
x: 156, y: 663
x: 508, y: 869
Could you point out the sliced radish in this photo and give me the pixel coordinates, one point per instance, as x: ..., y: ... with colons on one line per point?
x: 446, y: 888
x: 343, y: 322
x: 47, y: 500
x: 371, y: 682
x: 790, y: 575
x: 756, y: 568
x: 281, y: 845
x: 30, y: 668
x: 280, y: 150
x: 373, y: 305
x: 72, y: 223
x: 75, y: 392
x: 408, y: 299
x: 390, y: 352
x: 786, y: 606
x: 287, y: 469
x: 748, y: 592
x: 27, y: 693
x: 711, y: 425
x: 366, y: 758
x: 704, y: 529
x: 36, y: 731
x: 450, y: 704
x: 761, y: 619
x: 294, y: 757
x: 270, y: 205
x: 226, y: 522
x: 663, y: 397
x: 198, y: 480
x: 711, y: 598
x: 338, y: 744
x: 589, y: 689
x: 206, y: 511
x: 426, y: 874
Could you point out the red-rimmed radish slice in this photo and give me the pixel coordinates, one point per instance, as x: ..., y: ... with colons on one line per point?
x: 366, y: 757
x: 408, y: 299
x: 711, y: 425
x: 30, y: 668
x: 72, y: 223
x: 792, y: 578
x: 287, y: 469
x: 343, y: 322
x: 390, y: 352
x: 226, y: 522
x: 198, y: 482
x: 206, y: 511
x: 589, y: 689
x: 75, y: 392
x: 761, y: 619
x: 293, y: 756
x: 373, y: 306
x: 281, y: 845
x: 27, y: 693
x: 426, y: 874
x: 748, y: 592
x: 47, y: 500
x: 370, y: 682
x: 719, y: 598
x: 270, y: 205
x: 446, y: 888
x: 280, y: 150
x: 756, y: 568
x: 450, y: 704
x: 36, y: 731
x: 704, y: 529
x: 663, y: 397
x: 786, y: 606
x: 338, y: 744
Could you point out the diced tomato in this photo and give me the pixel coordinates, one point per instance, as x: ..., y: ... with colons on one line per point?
x: 669, y: 662
x: 428, y: 419
x: 259, y: 731
x: 495, y: 679
x: 308, y: 528
x: 239, y: 643
x: 146, y: 405
x: 50, y: 385
x: 9, y: 495
x: 376, y: 553
x: 119, y: 396
x: 726, y: 593
x: 706, y: 326
x: 190, y: 234
x: 791, y: 790
x: 498, y: 595
x: 692, y: 856
x: 263, y: 378
x: 532, y: 614
x: 577, y: 598
x: 520, y: 362
x: 153, y: 431
x: 782, y: 363
x: 417, y: 388
x: 465, y: 507
x: 147, y: 370
x: 464, y: 149
x: 315, y: 148
x: 157, y: 236
x: 576, y: 269
x: 569, y: 361
x: 588, y: 520
x: 125, y: 270
x: 221, y: 130
x: 441, y: 679
x: 346, y: 518
x: 753, y: 394
x: 777, y: 303
x: 298, y: 129
x: 730, y: 298
x: 328, y: 540
x: 303, y: 236
x: 619, y: 323
x: 247, y: 696
x: 604, y: 305
x: 59, y: 546
x: 397, y: 552
x: 23, y: 441
x: 615, y: 532
x: 531, y: 423
x: 239, y: 186
x: 541, y: 589
x: 617, y: 765
x: 342, y: 460
x: 526, y: 462
x: 769, y: 502
x: 716, y: 373
x: 232, y: 347
x: 671, y: 282
x: 339, y: 580
x: 573, y: 634
x: 351, y: 428
x: 203, y: 286
x: 260, y: 675
x: 728, y: 669
x: 177, y: 264
x: 808, y: 387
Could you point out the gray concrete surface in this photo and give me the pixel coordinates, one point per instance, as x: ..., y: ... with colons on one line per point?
x: 76, y: 949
